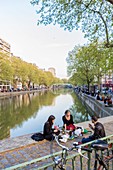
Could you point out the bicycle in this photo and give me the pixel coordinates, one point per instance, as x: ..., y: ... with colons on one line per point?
x: 100, y: 163
x: 60, y: 162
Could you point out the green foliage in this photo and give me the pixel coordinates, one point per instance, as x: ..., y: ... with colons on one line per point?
x: 94, y: 18
x: 6, y: 71
x: 87, y: 65
x: 14, y: 68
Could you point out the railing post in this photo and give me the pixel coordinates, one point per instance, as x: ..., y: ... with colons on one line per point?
x: 81, y: 162
x: 95, y: 163
x: 112, y: 154
x: 89, y: 160
x: 73, y: 165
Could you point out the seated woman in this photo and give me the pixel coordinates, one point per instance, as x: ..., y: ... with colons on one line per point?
x: 48, y: 131
x: 109, y: 101
x: 68, y: 123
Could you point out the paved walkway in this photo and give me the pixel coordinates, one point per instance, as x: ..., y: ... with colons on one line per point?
x: 21, y: 149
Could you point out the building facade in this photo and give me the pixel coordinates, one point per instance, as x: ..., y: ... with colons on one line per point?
x: 107, y: 80
x: 52, y: 70
x: 4, y: 46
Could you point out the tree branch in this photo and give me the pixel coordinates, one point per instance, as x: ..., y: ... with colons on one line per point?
x: 110, y: 1
x: 106, y: 29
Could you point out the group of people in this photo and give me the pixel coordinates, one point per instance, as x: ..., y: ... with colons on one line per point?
x: 68, y: 124
x: 107, y: 99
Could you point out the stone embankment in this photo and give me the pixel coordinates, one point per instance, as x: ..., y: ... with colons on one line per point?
x: 10, y: 94
x: 95, y: 106
x: 14, y: 151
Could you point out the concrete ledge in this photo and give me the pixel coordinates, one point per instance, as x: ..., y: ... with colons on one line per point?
x: 102, y: 120
x: 25, y: 140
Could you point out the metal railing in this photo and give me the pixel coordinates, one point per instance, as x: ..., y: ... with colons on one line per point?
x: 73, y: 160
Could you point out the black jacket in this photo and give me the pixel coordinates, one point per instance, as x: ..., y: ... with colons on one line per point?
x: 99, y: 131
x: 47, y: 129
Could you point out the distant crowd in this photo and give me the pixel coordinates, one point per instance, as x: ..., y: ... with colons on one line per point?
x: 107, y: 99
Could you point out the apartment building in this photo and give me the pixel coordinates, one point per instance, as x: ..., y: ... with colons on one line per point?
x: 107, y: 81
x: 52, y: 70
x: 4, y: 46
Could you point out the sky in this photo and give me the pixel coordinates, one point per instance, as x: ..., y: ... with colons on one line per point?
x: 46, y: 46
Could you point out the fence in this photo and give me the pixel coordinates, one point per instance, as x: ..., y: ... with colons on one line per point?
x: 73, y: 162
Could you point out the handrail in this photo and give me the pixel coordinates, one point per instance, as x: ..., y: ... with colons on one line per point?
x: 54, y: 154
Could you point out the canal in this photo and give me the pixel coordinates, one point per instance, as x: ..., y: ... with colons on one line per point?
x: 27, y: 113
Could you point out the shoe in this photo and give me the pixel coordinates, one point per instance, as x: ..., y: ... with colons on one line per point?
x: 79, y: 143
x: 60, y: 137
x: 64, y: 140
x: 72, y: 137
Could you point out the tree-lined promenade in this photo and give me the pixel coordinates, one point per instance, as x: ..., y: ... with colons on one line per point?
x: 15, y: 69
x: 88, y: 64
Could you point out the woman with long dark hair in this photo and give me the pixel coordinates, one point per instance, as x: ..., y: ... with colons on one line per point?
x: 48, y: 131
x: 68, y: 121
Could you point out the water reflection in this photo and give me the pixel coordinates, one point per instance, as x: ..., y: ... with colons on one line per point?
x: 79, y: 112
x: 27, y: 113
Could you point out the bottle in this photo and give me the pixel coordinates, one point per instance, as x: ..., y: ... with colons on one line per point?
x: 63, y: 130
x: 70, y: 133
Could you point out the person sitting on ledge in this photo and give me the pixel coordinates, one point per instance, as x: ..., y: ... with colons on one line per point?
x: 108, y: 102
x: 68, y: 123
x: 99, y: 131
x: 98, y: 96
x: 48, y: 131
x: 105, y: 99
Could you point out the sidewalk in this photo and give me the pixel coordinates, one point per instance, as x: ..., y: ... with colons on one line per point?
x: 9, y: 94
x: 21, y: 149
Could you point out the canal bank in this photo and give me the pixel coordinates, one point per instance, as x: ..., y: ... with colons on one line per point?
x: 22, y: 149
x: 15, y: 93
x: 95, y: 106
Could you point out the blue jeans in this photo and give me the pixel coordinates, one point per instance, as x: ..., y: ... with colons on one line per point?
x: 89, y: 139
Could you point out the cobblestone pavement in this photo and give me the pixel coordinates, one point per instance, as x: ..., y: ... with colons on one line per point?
x: 21, y: 149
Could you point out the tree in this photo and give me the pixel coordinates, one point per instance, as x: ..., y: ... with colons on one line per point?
x: 93, y: 17
x: 6, y: 71
x: 83, y: 64
x: 89, y: 63
x: 33, y: 74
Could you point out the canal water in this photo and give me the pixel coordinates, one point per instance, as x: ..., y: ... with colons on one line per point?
x: 27, y: 113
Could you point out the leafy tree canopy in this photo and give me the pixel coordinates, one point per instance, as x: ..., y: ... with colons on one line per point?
x: 88, y: 64
x: 6, y: 71
x: 15, y: 69
x: 93, y: 17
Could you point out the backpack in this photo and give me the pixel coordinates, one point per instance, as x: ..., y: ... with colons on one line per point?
x: 37, y: 136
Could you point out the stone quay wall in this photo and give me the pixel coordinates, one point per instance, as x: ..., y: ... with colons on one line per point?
x: 95, y: 106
